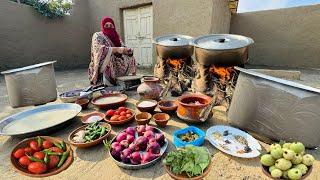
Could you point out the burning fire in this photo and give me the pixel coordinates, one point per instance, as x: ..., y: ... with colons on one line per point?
x: 176, y: 63
x: 224, y: 73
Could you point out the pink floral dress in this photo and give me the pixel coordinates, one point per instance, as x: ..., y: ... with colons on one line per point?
x: 106, y: 66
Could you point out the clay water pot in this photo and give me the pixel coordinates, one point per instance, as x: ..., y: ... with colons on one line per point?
x: 150, y: 88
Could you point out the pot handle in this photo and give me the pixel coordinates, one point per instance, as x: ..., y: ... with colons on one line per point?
x: 207, y: 110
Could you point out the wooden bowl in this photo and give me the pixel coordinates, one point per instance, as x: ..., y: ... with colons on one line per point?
x: 89, y: 144
x: 110, y: 105
x: 83, y: 103
x: 161, y: 119
x: 87, y: 116
x: 265, y: 170
x: 25, y: 143
x: 143, y: 118
x: 148, y: 109
x: 184, y: 176
x: 168, y: 106
x: 107, y: 119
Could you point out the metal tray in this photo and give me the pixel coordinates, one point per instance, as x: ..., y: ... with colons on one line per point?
x: 140, y: 166
x: 56, y: 116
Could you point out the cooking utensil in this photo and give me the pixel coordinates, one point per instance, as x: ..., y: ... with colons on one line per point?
x: 222, y: 49
x: 161, y: 119
x: 87, y: 116
x: 107, y: 119
x: 94, y: 142
x: 141, y: 166
x: 25, y: 143
x: 276, y: 108
x: 122, y: 98
x: 167, y: 106
x: 40, y: 120
x: 233, y: 141
x: 265, y: 170
x: 173, y: 46
x: 148, y: 109
x: 143, y: 118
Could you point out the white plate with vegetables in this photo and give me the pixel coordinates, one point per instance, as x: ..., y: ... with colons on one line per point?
x: 233, y: 141
x: 89, y: 135
x: 137, y: 147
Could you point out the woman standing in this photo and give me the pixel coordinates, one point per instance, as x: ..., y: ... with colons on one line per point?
x: 109, y: 57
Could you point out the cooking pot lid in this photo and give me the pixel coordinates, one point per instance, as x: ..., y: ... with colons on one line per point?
x: 173, y: 40
x: 222, y: 41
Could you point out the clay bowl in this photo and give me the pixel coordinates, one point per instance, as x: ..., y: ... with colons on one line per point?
x: 167, y: 106
x: 148, y: 109
x: 89, y: 144
x: 265, y: 170
x: 161, y: 119
x: 83, y: 103
x: 107, y: 119
x: 25, y: 143
x: 143, y: 118
x: 117, y: 101
x: 184, y: 176
x: 87, y: 116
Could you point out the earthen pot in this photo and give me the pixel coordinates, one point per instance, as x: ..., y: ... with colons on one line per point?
x: 150, y: 88
x: 191, y: 105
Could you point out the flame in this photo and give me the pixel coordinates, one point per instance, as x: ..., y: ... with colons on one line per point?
x: 224, y: 73
x: 176, y: 63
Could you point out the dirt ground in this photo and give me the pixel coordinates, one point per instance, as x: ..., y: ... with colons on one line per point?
x: 95, y: 163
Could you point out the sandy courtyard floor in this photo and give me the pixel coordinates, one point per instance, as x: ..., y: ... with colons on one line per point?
x: 95, y: 163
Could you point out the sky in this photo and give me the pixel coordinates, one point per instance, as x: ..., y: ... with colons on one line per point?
x: 258, y: 5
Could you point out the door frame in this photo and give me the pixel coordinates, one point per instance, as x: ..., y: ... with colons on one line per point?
x: 122, y: 25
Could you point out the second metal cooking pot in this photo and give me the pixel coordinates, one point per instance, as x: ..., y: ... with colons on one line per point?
x: 222, y: 49
x: 174, y: 46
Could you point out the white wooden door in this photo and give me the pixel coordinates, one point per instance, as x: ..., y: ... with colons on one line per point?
x: 138, y: 29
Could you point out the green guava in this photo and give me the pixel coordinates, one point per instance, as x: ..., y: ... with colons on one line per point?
x: 297, y: 147
x: 294, y: 174
x: 303, y: 168
x: 276, y: 173
x: 308, y: 159
x: 283, y: 164
x: 267, y: 160
x: 288, y: 154
x: 276, y: 153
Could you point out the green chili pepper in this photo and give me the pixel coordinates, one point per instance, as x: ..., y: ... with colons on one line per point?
x: 46, y: 150
x: 46, y: 158
x: 63, y: 145
x: 54, y: 153
x: 39, y: 141
x: 63, y: 158
x: 31, y: 158
x: 57, y: 144
x: 102, y: 131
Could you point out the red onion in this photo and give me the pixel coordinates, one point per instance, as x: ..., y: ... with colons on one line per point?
x: 142, y: 143
x: 141, y: 129
x: 130, y: 138
x: 148, y: 134
x: 124, y: 144
x: 115, y: 152
x: 154, y: 148
x: 121, y: 136
x: 125, y: 155
x: 147, y: 157
x: 131, y: 131
x: 160, y: 138
x: 150, y: 128
x: 152, y: 140
x: 133, y: 147
x: 115, y: 144
x: 135, y: 158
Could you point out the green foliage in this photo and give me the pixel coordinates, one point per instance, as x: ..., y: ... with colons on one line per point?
x: 49, y: 8
x: 190, y: 159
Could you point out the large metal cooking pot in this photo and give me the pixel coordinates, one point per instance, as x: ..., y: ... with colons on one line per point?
x: 174, y: 46
x: 222, y: 49
x: 276, y: 108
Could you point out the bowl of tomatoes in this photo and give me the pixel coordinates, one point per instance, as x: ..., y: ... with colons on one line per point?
x: 41, y: 156
x: 119, y: 116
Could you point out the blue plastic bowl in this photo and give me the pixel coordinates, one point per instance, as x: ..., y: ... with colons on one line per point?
x: 198, y: 142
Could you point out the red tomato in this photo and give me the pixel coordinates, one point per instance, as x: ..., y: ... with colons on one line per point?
x: 114, y: 118
x: 121, y: 118
x: 24, y: 161
x: 128, y: 111
x: 123, y: 113
x: 110, y: 112
x: 34, y: 145
x: 28, y: 150
x: 122, y: 109
x: 37, y: 167
x: 53, y: 161
x: 128, y: 115
x: 19, y: 153
x: 117, y: 113
x: 56, y: 149
x: 39, y: 155
x: 47, y: 144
